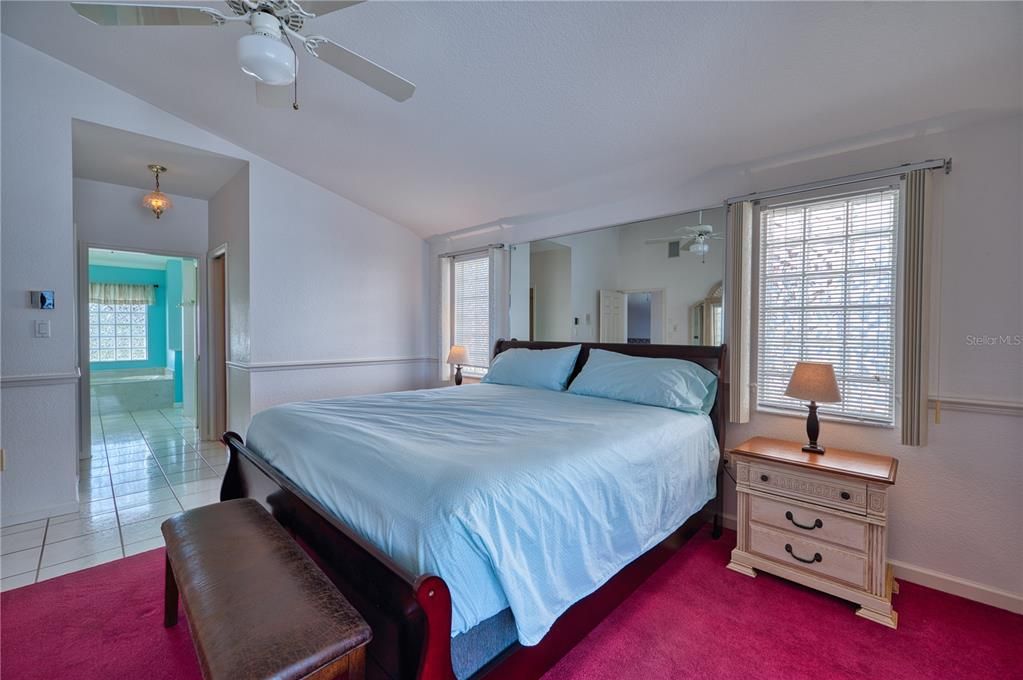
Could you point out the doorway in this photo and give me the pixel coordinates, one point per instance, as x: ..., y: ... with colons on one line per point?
x: 139, y: 327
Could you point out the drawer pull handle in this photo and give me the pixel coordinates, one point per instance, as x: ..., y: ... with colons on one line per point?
x: 817, y: 523
x: 846, y: 495
x: 816, y: 556
x: 763, y: 478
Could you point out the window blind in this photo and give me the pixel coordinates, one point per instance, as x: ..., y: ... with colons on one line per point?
x: 470, y: 291
x: 827, y: 293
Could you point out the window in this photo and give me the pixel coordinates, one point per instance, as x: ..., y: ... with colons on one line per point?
x: 118, y: 332
x: 470, y: 309
x: 827, y: 293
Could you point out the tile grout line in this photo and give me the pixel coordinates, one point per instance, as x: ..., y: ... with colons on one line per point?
x: 158, y: 463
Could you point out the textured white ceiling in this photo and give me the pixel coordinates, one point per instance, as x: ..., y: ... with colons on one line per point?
x: 106, y: 154
x: 532, y: 107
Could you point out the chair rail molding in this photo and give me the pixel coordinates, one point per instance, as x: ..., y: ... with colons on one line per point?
x: 68, y: 377
x: 976, y: 405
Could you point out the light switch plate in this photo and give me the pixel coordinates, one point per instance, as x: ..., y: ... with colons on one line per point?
x: 42, y: 329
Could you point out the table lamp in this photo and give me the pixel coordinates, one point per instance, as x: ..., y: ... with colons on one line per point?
x: 458, y: 356
x: 814, y: 382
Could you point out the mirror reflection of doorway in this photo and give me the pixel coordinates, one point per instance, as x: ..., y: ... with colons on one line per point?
x: 638, y: 318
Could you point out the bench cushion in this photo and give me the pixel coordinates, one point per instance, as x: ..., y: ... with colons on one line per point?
x: 257, y: 605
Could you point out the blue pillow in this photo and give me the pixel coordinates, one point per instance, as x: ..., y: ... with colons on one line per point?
x: 546, y: 369
x: 671, y: 383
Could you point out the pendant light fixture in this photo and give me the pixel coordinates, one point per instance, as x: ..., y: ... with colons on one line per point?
x: 156, y: 200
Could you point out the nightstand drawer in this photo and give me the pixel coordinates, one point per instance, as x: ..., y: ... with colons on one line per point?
x: 808, y: 555
x: 844, y: 494
x: 814, y: 524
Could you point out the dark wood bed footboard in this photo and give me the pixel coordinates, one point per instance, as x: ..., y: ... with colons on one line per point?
x: 410, y: 614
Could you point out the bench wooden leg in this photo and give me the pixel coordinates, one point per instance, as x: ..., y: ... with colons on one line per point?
x: 170, y: 597
x: 357, y: 664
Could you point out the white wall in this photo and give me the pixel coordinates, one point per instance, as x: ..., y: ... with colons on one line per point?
x: 550, y: 273
x: 301, y: 235
x: 594, y: 267
x: 229, y: 224
x: 956, y: 507
x: 113, y: 215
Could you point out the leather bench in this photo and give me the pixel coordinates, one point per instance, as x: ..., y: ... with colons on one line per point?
x: 258, y: 607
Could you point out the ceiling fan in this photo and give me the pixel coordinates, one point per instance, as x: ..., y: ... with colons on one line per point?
x: 267, y: 52
x: 699, y: 237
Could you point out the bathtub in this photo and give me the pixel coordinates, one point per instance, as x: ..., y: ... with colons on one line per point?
x: 131, y: 389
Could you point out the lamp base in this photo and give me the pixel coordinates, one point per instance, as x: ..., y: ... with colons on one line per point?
x: 813, y: 430
x: 458, y: 375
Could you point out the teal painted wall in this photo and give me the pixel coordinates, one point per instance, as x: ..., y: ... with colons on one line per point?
x: 157, y: 329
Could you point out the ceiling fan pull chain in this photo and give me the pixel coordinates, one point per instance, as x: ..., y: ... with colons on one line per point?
x: 294, y: 100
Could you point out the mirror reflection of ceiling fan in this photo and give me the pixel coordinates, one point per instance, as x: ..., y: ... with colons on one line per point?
x: 694, y: 239
x: 267, y: 52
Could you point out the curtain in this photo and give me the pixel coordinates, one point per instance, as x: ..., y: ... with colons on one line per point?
x: 915, y: 309
x: 122, y: 293
x: 737, y: 312
x: 500, y: 295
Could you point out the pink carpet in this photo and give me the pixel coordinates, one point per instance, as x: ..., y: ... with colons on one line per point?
x: 693, y: 619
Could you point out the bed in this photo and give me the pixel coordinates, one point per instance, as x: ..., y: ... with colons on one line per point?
x: 453, y: 573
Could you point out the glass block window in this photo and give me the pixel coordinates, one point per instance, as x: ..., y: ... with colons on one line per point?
x: 118, y: 332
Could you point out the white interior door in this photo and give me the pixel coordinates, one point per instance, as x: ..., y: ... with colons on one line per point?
x: 612, y: 316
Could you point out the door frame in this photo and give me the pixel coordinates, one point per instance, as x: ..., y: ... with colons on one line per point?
x: 210, y: 413
x: 82, y: 330
x: 663, y: 315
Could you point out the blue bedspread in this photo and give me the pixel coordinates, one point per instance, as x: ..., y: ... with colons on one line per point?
x: 516, y: 497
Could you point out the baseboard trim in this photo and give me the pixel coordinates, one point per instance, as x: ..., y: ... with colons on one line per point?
x: 946, y: 583
x: 326, y: 363
x: 43, y: 513
x: 954, y: 585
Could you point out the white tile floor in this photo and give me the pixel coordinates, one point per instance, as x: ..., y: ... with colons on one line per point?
x: 145, y: 467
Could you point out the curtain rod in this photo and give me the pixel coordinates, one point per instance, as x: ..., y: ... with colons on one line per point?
x: 478, y: 249
x: 932, y: 164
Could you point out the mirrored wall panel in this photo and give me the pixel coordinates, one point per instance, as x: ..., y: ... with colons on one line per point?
x: 656, y: 281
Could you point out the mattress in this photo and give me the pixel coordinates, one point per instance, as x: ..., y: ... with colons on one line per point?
x: 520, y: 499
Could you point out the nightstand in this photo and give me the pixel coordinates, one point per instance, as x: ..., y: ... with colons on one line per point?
x: 818, y: 520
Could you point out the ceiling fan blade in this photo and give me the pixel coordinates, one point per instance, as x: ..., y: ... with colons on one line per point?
x: 109, y: 14
x: 321, y: 7
x: 652, y: 241
x: 360, y: 68
x: 274, y: 96
x: 685, y: 246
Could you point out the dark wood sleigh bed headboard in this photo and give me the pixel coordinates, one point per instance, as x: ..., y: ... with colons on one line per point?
x: 711, y: 357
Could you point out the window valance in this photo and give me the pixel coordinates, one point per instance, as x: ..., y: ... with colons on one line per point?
x: 122, y: 293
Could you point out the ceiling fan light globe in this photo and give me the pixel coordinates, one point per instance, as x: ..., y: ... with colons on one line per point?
x: 699, y: 248
x: 266, y: 59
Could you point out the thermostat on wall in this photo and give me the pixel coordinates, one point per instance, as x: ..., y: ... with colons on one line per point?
x: 42, y: 299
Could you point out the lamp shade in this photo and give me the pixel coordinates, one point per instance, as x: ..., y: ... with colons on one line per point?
x: 813, y: 381
x: 458, y: 355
